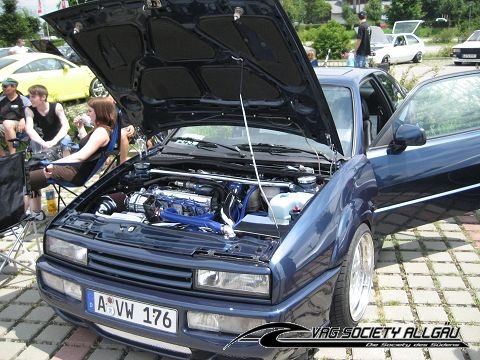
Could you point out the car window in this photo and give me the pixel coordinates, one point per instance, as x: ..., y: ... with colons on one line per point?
x: 455, y: 108
x: 6, y: 62
x: 475, y: 36
x: 400, y: 41
x: 340, y: 101
x: 395, y: 94
x: 412, y: 40
x: 42, y: 65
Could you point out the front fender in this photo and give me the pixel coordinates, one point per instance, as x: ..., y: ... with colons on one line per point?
x: 320, y: 237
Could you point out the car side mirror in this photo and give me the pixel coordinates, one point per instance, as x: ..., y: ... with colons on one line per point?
x: 407, y: 135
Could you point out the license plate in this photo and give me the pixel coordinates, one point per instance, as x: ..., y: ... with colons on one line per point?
x: 469, y: 56
x: 152, y: 316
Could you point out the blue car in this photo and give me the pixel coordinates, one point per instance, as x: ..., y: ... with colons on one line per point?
x: 268, y: 200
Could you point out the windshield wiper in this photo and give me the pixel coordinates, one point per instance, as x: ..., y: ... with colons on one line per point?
x: 280, y: 149
x: 207, y: 145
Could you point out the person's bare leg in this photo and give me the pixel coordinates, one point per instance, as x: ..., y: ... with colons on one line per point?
x: 36, y: 203
x: 10, y: 134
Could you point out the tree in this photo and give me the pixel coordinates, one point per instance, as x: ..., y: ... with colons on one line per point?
x: 452, y: 9
x: 405, y: 10
x: 14, y: 25
x: 349, y: 15
x: 374, y: 11
x: 316, y: 11
x: 295, y: 10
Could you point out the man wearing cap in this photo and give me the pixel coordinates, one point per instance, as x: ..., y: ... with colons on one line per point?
x: 12, y: 113
x: 362, y: 46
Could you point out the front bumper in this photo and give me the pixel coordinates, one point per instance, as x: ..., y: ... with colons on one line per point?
x: 467, y: 60
x: 309, y: 307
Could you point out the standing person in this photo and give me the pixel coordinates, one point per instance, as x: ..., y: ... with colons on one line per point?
x: 45, y: 117
x: 362, y: 46
x: 19, y: 48
x: 12, y: 118
x: 349, y: 56
x: 75, y: 168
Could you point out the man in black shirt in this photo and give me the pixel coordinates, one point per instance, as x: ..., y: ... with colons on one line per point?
x: 12, y: 118
x: 362, y: 46
x: 46, y: 122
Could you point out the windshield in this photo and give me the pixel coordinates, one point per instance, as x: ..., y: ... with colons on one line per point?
x: 340, y: 101
x: 475, y: 36
x: 6, y: 62
x: 236, y: 136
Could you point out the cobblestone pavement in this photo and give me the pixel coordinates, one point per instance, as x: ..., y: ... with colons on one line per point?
x: 425, y: 277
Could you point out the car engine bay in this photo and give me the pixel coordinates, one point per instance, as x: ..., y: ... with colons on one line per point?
x: 201, y: 200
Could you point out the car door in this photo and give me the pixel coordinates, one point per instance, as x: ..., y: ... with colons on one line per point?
x: 63, y: 80
x: 399, y: 49
x: 436, y: 180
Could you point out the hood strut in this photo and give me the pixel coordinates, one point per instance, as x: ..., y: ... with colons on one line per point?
x: 259, y: 182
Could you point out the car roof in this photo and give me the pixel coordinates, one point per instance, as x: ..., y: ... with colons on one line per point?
x: 342, y: 75
x: 34, y: 56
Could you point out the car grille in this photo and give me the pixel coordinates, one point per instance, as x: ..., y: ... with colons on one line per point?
x: 470, y: 52
x: 140, y: 272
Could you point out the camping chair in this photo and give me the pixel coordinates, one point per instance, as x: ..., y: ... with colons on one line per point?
x: 14, y: 221
x: 113, y: 148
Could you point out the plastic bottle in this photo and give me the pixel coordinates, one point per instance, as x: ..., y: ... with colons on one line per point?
x: 51, y: 203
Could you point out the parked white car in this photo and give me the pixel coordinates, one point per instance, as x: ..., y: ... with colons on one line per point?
x: 399, y: 47
x: 467, y: 52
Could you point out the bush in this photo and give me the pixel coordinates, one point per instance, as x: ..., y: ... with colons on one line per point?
x: 444, y: 36
x: 331, y: 36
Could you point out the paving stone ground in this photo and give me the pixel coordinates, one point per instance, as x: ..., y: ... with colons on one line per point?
x: 424, y: 277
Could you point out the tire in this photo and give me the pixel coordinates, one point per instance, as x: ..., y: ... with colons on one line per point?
x: 97, y: 89
x: 457, y: 63
x: 386, y: 59
x: 354, y: 283
x: 418, y: 57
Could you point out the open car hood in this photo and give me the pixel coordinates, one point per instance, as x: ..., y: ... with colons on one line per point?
x: 378, y: 36
x: 173, y: 63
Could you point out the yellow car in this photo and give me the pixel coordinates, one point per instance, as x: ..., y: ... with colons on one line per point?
x: 64, y: 80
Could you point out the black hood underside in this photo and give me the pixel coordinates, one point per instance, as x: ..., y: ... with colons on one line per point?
x: 172, y: 63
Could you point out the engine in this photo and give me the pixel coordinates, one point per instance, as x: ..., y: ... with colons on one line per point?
x: 208, y: 202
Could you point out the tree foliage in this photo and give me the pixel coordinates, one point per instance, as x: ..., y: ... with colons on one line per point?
x: 374, y: 11
x: 405, y: 10
x: 316, y: 11
x: 331, y: 35
x: 349, y: 15
x: 15, y: 25
x: 307, y: 11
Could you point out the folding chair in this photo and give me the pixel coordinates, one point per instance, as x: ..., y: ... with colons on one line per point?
x: 113, y: 148
x: 14, y: 221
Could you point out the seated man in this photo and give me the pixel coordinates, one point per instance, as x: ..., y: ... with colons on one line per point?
x: 46, y: 123
x: 12, y: 106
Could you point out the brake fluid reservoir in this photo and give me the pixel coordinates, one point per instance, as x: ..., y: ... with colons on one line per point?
x: 281, y: 204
